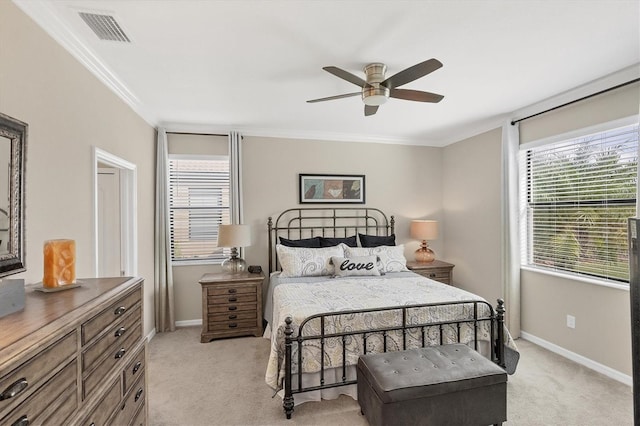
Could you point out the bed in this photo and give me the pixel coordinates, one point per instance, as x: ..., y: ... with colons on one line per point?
x: 331, y: 300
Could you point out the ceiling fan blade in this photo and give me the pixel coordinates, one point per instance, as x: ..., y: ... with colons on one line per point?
x: 415, y: 95
x: 330, y: 98
x: 412, y: 73
x: 346, y: 76
x: 370, y: 110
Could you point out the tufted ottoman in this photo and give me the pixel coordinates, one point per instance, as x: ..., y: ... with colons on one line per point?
x: 437, y: 385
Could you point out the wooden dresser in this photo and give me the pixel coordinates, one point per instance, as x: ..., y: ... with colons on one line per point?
x: 75, y: 356
x: 231, y: 305
x: 436, y: 270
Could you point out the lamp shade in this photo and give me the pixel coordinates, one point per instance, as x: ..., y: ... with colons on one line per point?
x: 424, y: 229
x: 234, y: 236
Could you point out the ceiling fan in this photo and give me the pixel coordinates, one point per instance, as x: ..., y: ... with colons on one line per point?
x: 377, y: 89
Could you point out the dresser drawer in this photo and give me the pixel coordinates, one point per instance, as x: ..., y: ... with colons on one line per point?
x: 134, y: 369
x: 118, y: 332
x: 132, y: 403
x: 111, y: 359
x: 106, y: 407
x: 21, y: 380
x: 54, y: 401
x: 141, y: 417
x: 95, y: 325
x: 234, y: 307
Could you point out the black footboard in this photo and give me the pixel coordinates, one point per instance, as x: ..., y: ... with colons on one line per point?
x: 416, y: 332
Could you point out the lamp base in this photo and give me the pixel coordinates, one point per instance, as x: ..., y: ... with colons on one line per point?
x: 234, y: 265
x: 424, y: 254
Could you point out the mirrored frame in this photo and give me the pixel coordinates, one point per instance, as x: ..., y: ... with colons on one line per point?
x: 12, y: 255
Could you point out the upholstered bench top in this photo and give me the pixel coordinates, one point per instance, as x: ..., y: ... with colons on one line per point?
x: 423, y: 372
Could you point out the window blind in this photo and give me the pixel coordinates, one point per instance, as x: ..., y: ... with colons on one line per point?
x: 198, y: 204
x: 579, y: 195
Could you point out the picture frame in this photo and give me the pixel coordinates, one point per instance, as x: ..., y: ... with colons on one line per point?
x: 331, y: 189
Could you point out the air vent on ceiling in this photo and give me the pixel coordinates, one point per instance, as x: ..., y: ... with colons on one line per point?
x: 105, y: 26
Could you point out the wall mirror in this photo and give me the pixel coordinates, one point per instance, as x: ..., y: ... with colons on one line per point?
x: 13, y: 144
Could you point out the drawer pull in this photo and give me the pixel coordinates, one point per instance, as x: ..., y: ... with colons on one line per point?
x: 233, y: 316
x: 138, y: 395
x: 120, y: 353
x: 232, y: 290
x: 119, y: 332
x: 233, y: 325
x: 136, y: 367
x: 432, y: 275
x: 14, y: 389
x: 22, y: 421
x: 233, y: 308
x: 233, y: 299
x: 120, y: 310
x: 93, y: 424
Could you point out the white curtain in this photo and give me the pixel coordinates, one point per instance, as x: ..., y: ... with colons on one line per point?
x: 164, y: 305
x: 511, y: 227
x: 235, y: 159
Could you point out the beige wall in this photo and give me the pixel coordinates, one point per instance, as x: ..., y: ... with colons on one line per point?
x: 471, y: 195
x: 603, y: 323
x: 68, y: 111
x: 471, y: 203
x: 404, y: 181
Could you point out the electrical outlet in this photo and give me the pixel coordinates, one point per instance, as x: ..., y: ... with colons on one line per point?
x: 571, y: 321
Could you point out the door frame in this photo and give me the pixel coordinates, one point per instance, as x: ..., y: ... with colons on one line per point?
x: 128, y: 209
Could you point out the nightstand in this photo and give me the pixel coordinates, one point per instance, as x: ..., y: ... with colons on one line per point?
x: 231, y: 305
x: 436, y: 270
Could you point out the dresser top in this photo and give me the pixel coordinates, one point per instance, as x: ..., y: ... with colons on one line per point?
x: 42, y: 311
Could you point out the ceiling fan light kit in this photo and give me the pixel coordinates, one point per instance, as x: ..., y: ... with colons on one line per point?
x: 377, y: 89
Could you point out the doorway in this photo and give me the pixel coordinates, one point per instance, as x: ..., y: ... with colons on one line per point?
x: 115, y: 226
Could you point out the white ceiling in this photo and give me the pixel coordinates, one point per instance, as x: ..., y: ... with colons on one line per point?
x: 251, y: 65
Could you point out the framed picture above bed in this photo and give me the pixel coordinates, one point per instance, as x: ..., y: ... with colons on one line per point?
x: 325, y: 189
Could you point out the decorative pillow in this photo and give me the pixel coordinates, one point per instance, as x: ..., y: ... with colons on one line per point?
x: 307, y: 261
x: 344, y: 267
x: 330, y: 242
x: 391, y: 257
x: 305, y: 242
x: 375, y: 240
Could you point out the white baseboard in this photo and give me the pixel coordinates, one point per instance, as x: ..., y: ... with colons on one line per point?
x: 189, y: 323
x: 589, y: 363
x: 151, y: 334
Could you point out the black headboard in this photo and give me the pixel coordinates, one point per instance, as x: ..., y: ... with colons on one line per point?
x: 307, y: 222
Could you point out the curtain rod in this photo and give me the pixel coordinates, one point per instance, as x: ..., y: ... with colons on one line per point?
x: 195, y: 134
x: 576, y: 100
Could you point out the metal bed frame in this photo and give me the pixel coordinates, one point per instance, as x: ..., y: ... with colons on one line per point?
x: 338, y: 222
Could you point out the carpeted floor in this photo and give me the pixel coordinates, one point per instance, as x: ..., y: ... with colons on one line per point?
x: 222, y: 383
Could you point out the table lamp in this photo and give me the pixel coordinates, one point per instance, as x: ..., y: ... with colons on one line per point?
x: 234, y: 236
x: 424, y: 230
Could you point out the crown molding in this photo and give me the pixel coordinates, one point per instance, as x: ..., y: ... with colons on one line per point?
x: 48, y: 18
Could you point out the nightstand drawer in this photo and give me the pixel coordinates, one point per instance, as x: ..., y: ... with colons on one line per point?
x: 233, y: 298
x: 437, y: 275
x: 231, y: 289
x: 235, y: 316
x: 231, y: 307
x: 231, y: 325
x: 436, y: 270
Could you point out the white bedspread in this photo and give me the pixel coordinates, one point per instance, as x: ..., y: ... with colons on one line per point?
x: 303, y: 299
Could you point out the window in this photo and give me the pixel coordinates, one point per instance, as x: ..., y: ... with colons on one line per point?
x: 577, y: 196
x: 198, y: 204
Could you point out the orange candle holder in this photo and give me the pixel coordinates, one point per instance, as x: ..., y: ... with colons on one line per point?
x: 59, y: 263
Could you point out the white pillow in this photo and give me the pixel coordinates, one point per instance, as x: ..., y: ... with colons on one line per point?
x: 391, y: 257
x: 307, y: 262
x: 349, y: 266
